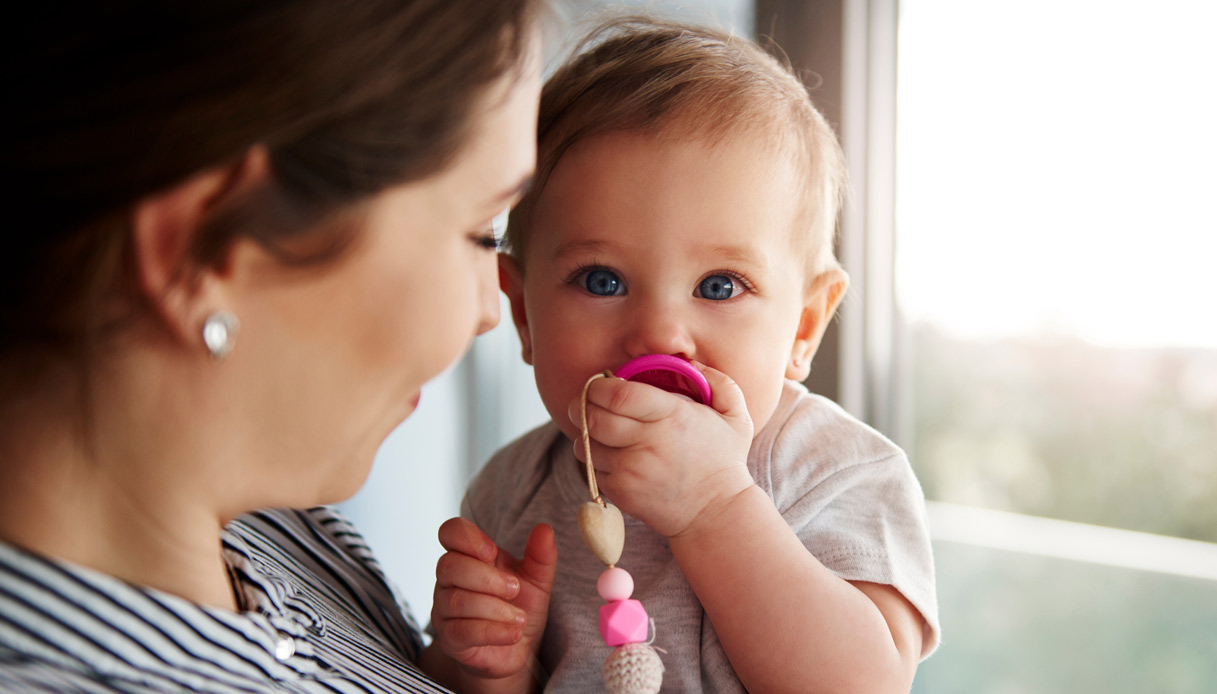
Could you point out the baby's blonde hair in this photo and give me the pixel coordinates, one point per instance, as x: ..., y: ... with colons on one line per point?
x: 636, y: 74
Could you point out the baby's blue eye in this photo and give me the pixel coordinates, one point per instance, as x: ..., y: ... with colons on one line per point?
x: 603, y: 283
x: 716, y: 288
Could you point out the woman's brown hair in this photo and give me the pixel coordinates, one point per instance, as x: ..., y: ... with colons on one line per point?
x: 109, y: 102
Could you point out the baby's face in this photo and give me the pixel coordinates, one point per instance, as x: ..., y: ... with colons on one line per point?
x: 643, y: 246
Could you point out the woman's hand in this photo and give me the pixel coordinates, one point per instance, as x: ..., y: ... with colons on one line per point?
x: 663, y: 458
x: 490, y: 608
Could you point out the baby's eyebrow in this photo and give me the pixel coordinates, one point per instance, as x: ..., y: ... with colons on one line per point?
x: 742, y: 255
x: 580, y: 248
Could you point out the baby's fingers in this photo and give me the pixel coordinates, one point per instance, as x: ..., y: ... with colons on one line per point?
x: 609, y: 430
x: 728, y: 399
x: 461, y: 535
x: 637, y: 401
x: 459, y: 604
x: 455, y: 570
x: 460, y: 636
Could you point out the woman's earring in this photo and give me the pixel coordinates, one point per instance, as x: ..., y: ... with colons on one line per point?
x: 220, y: 333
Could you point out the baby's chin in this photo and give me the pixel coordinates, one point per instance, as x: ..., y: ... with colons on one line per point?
x: 571, y: 429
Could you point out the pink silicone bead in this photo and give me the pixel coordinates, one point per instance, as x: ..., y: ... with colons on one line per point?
x: 615, y: 584
x: 623, y: 621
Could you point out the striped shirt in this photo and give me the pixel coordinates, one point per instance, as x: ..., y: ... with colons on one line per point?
x: 318, y: 616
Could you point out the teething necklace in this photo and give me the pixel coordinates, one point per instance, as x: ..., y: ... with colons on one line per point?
x: 633, y: 667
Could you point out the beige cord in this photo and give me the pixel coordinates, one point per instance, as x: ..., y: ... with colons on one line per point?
x: 587, y: 443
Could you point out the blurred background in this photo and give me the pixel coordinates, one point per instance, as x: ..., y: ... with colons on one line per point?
x: 1031, y: 240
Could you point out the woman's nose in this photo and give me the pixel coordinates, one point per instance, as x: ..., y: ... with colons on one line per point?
x: 488, y: 296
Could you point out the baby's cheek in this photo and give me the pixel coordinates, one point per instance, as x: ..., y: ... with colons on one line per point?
x: 761, y: 403
x: 561, y: 400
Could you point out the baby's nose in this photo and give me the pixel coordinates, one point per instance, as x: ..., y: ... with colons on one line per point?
x: 659, y: 331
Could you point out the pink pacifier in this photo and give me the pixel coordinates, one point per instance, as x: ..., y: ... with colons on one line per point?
x: 669, y: 373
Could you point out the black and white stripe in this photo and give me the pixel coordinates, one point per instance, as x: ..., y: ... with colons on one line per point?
x: 321, y: 619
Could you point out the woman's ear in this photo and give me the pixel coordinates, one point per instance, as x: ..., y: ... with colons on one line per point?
x: 164, y: 227
x: 511, y: 281
x: 819, y: 305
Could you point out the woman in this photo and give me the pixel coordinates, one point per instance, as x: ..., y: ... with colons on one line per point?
x: 250, y: 231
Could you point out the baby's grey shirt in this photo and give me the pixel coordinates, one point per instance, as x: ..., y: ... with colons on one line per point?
x: 848, y: 493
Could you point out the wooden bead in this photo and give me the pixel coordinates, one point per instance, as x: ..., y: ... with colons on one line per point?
x: 603, y: 531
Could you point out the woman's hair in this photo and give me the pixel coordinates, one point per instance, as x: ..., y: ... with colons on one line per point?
x: 110, y: 102
x: 636, y: 74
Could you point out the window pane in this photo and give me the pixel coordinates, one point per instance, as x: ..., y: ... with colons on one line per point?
x: 1056, y: 237
x: 1019, y: 624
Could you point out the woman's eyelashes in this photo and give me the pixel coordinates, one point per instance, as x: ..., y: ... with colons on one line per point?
x: 485, y: 239
x: 490, y: 237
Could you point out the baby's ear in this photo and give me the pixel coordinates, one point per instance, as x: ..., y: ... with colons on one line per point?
x: 819, y: 304
x: 511, y: 281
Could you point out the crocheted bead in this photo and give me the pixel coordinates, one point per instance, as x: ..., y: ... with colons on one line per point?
x: 623, y: 621
x: 615, y: 584
x: 634, y: 668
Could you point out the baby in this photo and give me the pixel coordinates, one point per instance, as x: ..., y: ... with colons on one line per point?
x: 685, y: 204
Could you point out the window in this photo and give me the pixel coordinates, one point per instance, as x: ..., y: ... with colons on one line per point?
x: 1054, y: 243
x: 1056, y: 238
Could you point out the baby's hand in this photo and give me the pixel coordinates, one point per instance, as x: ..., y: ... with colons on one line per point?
x: 663, y: 458
x: 489, y: 609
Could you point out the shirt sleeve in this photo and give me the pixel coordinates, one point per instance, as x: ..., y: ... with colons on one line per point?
x: 852, y: 498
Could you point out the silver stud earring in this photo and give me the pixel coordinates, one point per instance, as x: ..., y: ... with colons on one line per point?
x: 220, y: 333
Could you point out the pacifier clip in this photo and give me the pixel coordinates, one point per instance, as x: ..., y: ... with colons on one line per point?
x: 633, y: 667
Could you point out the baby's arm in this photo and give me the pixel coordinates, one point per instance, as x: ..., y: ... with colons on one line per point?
x: 786, y: 623
x: 489, y: 610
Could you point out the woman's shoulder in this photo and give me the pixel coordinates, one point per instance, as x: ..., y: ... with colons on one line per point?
x: 286, y: 537
x: 321, y: 525
x: 314, y: 551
